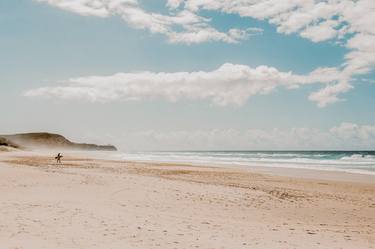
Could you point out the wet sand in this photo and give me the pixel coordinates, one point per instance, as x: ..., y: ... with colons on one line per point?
x: 93, y: 203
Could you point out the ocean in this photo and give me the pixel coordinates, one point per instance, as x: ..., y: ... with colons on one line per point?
x: 348, y: 161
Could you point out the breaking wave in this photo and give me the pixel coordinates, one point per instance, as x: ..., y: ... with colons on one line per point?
x: 349, y: 161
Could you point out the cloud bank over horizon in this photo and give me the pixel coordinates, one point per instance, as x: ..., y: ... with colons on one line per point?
x: 345, y: 136
x: 348, y: 23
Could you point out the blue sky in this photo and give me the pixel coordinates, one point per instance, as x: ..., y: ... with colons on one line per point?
x: 43, y: 45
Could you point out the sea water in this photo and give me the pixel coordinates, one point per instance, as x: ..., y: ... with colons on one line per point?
x: 349, y: 161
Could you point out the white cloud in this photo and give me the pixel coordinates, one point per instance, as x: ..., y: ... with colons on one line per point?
x: 328, y: 94
x: 324, y: 31
x: 354, y: 131
x: 82, y: 7
x: 228, y: 85
x: 181, y: 27
x: 347, y: 136
x: 347, y: 22
x: 317, y: 21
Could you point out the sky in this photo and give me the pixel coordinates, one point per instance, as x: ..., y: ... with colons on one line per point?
x: 191, y: 74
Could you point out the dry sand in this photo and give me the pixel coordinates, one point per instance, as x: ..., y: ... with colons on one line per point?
x: 92, y: 203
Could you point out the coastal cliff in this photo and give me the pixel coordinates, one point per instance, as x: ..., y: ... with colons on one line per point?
x: 49, y: 141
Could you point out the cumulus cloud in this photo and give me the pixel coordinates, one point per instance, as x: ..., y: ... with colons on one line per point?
x: 345, y: 136
x: 346, y: 22
x: 349, y: 22
x: 230, y: 84
x: 184, y: 26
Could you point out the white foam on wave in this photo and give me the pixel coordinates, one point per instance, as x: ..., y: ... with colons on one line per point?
x: 355, y: 163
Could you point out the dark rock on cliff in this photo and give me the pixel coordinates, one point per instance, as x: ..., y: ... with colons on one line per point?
x: 6, y: 142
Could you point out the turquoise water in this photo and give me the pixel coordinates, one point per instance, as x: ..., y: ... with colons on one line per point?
x: 349, y: 161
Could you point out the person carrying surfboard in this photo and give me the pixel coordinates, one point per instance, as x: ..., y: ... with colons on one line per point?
x: 58, y: 158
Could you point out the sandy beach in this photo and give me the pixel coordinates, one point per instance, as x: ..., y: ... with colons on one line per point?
x: 187, y: 124
x: 93, y: 203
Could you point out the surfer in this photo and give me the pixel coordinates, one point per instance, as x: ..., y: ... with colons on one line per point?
x: 58, y: 158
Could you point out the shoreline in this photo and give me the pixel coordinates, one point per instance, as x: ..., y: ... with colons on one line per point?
x: 307, y: 173
x: 334, y: 165
x: 334, y: 174
x: 293, y: 172
x: 297, y: 172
